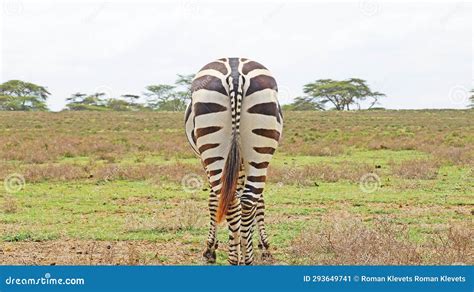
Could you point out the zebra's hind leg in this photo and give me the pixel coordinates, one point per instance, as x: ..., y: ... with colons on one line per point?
x: 233, y: 220
x: 249, y: 206
x: 210, y: 252
x: 263, y: 244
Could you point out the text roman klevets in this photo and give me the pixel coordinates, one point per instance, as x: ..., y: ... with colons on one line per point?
x: 441, y: 278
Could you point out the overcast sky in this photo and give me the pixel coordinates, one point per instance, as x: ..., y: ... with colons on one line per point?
x: 420, y: 55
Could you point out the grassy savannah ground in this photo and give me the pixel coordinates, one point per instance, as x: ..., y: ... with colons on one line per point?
x: 363, y: 187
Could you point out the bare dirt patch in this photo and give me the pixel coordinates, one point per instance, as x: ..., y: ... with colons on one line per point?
x: 89, y: 252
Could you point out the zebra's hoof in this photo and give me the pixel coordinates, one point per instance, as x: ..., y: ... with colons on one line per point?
x: 263, y: 246
x: 266, y: 255
x: 210, y: 256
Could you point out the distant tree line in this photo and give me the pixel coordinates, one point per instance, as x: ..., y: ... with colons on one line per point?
x: 323, y: 94
x: 160, y: 97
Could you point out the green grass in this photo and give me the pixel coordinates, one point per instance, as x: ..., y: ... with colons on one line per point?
x: 91, y: 210
x: 157, y: 209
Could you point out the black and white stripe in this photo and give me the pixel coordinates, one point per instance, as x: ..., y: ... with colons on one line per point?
x: 234, y: 123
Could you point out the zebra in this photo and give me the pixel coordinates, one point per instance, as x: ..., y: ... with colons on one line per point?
x: 234, y: 123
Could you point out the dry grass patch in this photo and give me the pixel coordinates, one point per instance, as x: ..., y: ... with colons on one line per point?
x: 456, y: 155
x: 453, y: 245
x: 107, y: 172
x: 157, y: 173
x: 185, y: 215
x: 393, y: 143
x: 417, y: 169
x: 54, y: 172
x: 309, y: 174
x: 344, y: 239
x: 9, y: 205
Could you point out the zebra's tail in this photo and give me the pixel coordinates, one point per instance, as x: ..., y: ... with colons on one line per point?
x: 229, y: 179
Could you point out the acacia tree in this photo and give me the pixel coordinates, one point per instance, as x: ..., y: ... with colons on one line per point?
x: 166, y: 97
x: 83, y: 102
x: 183, y: 88
x: 159, y: 97
x: 185, y: 80
x: 131, y: 102
x: 120, y: 105
x: 131, y: 98
x: 17, y: 95
x: 303, y: 103
x: 340, y: 94
x: 76, y: 97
